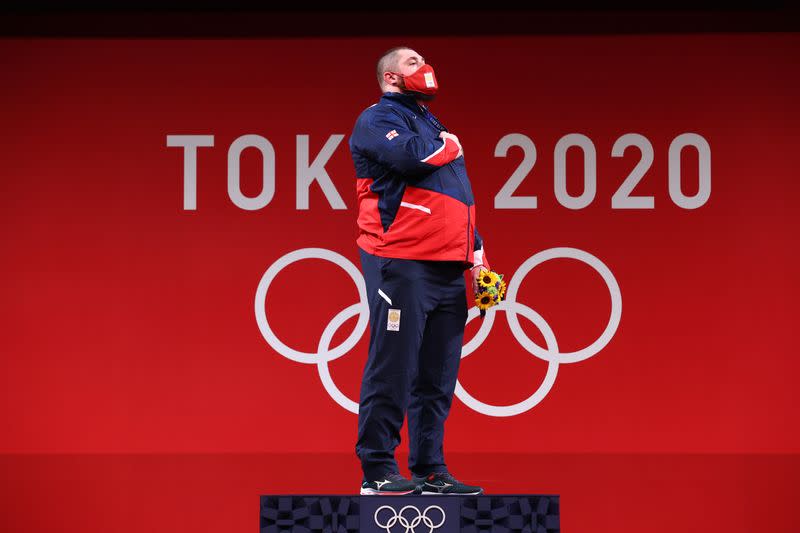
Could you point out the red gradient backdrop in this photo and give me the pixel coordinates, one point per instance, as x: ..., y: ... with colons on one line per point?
x: 128, y: 321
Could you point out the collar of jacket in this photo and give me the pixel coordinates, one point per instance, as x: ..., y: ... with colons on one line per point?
x: 405, y: 99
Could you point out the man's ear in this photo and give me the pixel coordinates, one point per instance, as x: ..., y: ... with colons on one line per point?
x: 391, y: 79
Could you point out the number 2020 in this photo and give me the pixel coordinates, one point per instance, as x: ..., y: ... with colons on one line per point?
x: 622, y: 199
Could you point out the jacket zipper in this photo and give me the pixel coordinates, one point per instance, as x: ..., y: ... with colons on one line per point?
x: 440, y: 127
x: 466, y: 258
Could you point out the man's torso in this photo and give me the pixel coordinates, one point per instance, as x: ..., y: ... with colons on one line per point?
x: 427, y: 214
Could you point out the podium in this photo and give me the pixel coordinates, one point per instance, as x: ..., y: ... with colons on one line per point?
x: 494, y: 513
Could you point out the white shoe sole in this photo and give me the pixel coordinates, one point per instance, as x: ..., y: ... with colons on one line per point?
x: 373, y: 492
x: 430, y: 493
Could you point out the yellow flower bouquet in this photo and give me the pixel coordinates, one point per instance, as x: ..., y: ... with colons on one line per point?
x: 491, y: 290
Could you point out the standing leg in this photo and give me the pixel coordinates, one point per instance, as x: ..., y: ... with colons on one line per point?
x: 432, y: 392
x: 393, y: 285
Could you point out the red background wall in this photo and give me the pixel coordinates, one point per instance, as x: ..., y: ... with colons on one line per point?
x: 128, y: 323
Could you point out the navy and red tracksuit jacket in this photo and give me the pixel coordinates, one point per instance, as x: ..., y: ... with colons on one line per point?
x: 414, y: 197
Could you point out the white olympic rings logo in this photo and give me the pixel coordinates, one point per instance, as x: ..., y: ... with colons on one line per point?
x: 398, y: 517
x: 510, y: 306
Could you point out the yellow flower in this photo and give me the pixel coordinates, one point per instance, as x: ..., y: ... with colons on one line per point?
x: 488, y: 279
x: 502, y: 290
x: 484, y: 300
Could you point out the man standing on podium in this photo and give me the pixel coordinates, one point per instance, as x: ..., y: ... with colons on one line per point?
x: 417, y: 236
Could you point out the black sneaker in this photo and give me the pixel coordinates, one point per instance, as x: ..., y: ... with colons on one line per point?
x: 445, y: 483
x: 390, y: 485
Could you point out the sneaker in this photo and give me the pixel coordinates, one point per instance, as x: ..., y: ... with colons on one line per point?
x: 445, y: 483
x: 391, y: 485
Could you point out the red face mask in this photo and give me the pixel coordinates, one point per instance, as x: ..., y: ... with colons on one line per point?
x: 422, y: 81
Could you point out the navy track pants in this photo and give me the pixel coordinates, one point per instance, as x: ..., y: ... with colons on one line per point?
x: 418, y: 310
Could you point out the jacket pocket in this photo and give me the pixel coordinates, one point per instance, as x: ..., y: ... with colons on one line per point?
x: 383, y: 265
x: 418, y: 207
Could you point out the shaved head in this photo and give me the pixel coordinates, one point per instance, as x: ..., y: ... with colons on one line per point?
x: 389, y: 61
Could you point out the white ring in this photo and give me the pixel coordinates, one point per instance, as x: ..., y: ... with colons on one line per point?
x: 390, y: 522
x: 322, y: 365
x: 613, y: 321
x: 547, y: 382
x: 261, y: 313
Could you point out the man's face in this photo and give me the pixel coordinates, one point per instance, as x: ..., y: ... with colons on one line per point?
x: 408, y: 61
